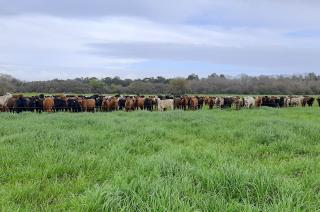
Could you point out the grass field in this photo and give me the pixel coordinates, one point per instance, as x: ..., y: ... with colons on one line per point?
x: 255, y: 160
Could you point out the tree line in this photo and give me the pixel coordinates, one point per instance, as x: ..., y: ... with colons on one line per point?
x: 307, y: 84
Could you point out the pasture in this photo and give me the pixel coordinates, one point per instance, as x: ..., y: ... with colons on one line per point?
x: 210, y: 160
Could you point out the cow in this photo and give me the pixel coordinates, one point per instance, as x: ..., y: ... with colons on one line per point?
x: 294, y: 101
x: 165, y: 104
x: 177, y: 103
x: 258, y: 101
x: 110, y: 104
x: 281, y: 101
x: 91, y: 105
x: 148, y: 105
x: 104, y: 104
x: 185, y: 102
x: 48, y: 104
x: 318, y: 100
x: 121, y: 103
x: 211, y: 102
x: 21, y: 104
x: 83, y: 103
x: 73, y: 105
x: 206, y: 100
x: 87, y: 104
x: 140, y: 101
x: 219, y: 102
x: 4, y: 100
x: 310, y: 101
x: 60, y: 103
x: 238, y: 102
x: 99, y: 100
x: 200, y: 102
x: 227, y: 102
x: 304, y: 101
x: 193, y: 103
x: 154, y: 102
x: 129, y: 104
x: 249, y: 102
x: 307, y: 101
x: 36, y: 104
x: 270, y: 101
x: 135, y: 102
x: 10, y: 104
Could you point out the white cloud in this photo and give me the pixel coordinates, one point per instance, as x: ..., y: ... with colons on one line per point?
x: 77, y: 38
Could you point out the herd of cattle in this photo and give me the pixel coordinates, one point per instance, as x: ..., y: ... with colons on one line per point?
x: 19, y: 103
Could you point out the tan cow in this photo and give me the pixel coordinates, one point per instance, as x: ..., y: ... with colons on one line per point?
x: 48, y: 104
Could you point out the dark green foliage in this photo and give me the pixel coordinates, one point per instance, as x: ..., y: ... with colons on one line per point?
x: 308, y: 84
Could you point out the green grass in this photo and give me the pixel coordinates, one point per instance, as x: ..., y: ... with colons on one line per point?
x: 253, y: 160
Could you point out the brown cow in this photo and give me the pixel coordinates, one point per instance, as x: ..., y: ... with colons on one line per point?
x: 238, y: 102
x: 211, y: 102
x: 206, y: 100
x: 104, y: 104
x: 258, y: 101
x: 11, y: 103
x: 194, y: 103
x: 91, y: 105
x: 304, y: 101
x: 140, y: 101
x: 83, y: 104
x: 87, y: 105
x: 129, y: 105
x: 185, y: 102
x: 111, y: 104
x: 177, y: 103
x: 48, y: 104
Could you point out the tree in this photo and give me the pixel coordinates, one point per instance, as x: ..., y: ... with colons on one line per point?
x: 97, y: 85
x: 178, y: 86
x: 193, y: 77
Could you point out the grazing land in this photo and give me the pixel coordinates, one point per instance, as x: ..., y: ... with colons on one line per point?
x: 209, y: 160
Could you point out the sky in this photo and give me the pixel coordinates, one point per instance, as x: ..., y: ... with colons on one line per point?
x: 45, y: 39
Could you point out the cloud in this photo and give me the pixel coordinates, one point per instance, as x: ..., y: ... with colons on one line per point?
x: 48, y: 39
x: 279, y: 58
x: 262, y: 13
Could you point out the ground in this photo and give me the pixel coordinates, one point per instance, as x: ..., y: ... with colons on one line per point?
x: 259, y: 159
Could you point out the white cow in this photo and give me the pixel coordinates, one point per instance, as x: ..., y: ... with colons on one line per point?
x: 4, y: 99
x: 295, y: 101
x: 165, y: 104
x: 249, y: 102
x: 219, y: 102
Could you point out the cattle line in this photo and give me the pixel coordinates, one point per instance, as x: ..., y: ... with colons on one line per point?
x: 96, y: 103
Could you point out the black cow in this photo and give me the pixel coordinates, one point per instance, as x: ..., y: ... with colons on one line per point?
x: 99, y: 100
x: 36, y: 104
x: 60, y: 104
x: 227, y: 102
x: 310, y: 101
x: 318, y: 100
x: 122, y: 103
x: 281, y: 101
x: 270, y: 101
x: 21, y: 104
x: 148, y: 104
x: 73, y: 105
x: 200, y: 102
